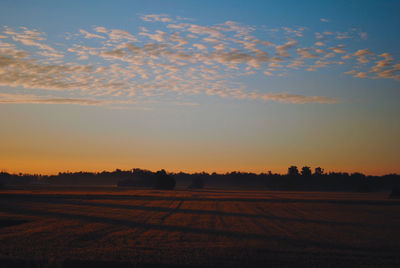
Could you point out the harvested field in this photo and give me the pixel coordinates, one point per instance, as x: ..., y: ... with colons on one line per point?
x: 110, y: 226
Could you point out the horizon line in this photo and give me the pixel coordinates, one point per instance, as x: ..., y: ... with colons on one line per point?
x: 268, y: 172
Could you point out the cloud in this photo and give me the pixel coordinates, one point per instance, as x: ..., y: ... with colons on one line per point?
x: 275, y: 64
x: 159, y: 36
x: 34, y: 99
x: 117, y: 35
x: 204, y: 30
x: 283, y: 49
x: 306, y: 53
x: 346, y: 57
x: 297, y: 32
x: 219, y: 47
x: 30, y: 74
x: 239, y: 29
x: 116, y: 53
x: 297, y: 99
x: 383, y: 63
x: 385, y: 67
x: 50, y: 55
x: 360, y: 75
x: 235, y: 57
x: 7, y: 49
x: 101, y: 30
x: 362, y: 54
x: 338, y: 49
x: 30, y: 42
x: 28, y: 37
x: 177, y: 38
x: 296, y: 64
x: 351, y: 72
x: 90, y: 35
x: 180, y: 26
x: 114, y: 35
x: 156, y: 17
x: 388, y: 74
x: 200, y: 46
x: 268, y: 73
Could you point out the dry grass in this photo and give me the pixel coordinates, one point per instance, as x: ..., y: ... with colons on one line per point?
x: 110, y: 226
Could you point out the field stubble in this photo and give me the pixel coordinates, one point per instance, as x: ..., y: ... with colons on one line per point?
x: 67, y: 227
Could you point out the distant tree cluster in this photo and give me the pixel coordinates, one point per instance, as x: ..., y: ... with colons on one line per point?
x: 305, y: 171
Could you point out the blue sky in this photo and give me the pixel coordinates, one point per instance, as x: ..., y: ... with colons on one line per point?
x: 209, y: 86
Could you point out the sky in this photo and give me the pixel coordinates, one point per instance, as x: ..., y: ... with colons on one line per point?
x: 213, y: 86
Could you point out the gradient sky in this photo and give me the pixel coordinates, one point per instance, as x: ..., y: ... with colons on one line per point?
x: 199, y: 85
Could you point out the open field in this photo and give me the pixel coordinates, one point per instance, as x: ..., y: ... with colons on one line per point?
x: 66, y: 227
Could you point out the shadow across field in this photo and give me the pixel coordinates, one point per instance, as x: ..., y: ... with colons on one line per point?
x: 239, y: 235
x: 18, y: 208
x: 11, y: 222
x: 178, y: 209
x: 199, y: 199
x: 186, y: 229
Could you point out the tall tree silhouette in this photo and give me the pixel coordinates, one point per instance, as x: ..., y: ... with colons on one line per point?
x: 306, y: 171
x: 318, y: 171
x: 293, y: 171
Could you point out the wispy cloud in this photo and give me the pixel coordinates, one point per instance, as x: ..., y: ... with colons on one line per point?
x: 19, y: 98
x: 34, y: 99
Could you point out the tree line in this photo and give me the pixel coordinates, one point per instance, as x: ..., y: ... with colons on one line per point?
x: 294, y: 179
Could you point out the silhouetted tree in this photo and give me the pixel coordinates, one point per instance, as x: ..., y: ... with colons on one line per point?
x: 293, y: 171
x: 164, y: 181
x: 318, y: 171
x: 306, y: 171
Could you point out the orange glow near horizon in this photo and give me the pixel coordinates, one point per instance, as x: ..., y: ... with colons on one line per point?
x: 53, y: 167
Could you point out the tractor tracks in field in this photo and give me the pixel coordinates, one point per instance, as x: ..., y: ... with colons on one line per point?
x: 171, y: 212
x: 265, y: 199
x: 265, y: 214
x: 277, y: 224
x: 219, y: 215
